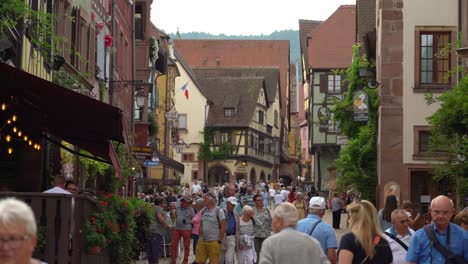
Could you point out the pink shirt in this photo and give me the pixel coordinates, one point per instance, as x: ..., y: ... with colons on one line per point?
x: 196, y: 220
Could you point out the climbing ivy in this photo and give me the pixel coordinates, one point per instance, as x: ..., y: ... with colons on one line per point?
x: 357, y: 160
x: 211, y: 151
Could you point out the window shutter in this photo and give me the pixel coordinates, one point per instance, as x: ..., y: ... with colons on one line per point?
x: 233, y: 137
x: 344, y: 83
x: 217, y: 138
x: 324, y: 83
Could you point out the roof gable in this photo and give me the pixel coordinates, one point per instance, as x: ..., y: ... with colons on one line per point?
x: 270, y: 74
x: 331, y: 42
x: 239, y: 53
x: 229, y: 92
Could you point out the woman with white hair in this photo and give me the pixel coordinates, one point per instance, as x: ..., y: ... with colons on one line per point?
x: 245, y: 241
x: 289, y: 245
x: 18, y: 229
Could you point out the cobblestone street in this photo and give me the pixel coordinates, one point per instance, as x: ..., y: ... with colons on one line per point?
x: 327, y: 218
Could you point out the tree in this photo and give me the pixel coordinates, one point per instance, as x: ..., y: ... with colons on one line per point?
x: 448, y: 134
x: 357, y: 160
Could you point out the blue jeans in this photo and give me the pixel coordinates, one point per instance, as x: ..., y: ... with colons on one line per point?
x: 153, y: 248
x: 195, y: 241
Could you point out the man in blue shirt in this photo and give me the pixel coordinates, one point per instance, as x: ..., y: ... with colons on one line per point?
x: 451, y: 236
x: 228, y: 246
x: 315, y: 227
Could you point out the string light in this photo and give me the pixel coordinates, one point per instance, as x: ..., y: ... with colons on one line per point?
x: 20, y: 133
x: 25, y: 138
x: 38, y: 147
x: 4, y: 106
x: 14, y: 118
x: 8, y: 138
x: 30, y: 142
x: 15, y: 129
x: 8, y: 121
x: 10, y: 150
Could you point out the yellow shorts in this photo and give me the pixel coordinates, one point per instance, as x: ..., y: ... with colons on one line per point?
x: 207, y: 250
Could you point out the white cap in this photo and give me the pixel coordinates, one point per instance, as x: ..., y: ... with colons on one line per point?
x: 317, y: 202
x: 232, y: 200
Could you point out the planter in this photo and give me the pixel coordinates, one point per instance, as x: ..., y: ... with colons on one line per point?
x: 96, y: 250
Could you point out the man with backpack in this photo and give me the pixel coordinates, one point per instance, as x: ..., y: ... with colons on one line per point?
x: 212, y: 231
x: 441, y: 241
x: 316, y: 228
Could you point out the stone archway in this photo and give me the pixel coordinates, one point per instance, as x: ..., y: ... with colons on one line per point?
x: 286, y: 180
x: 262, y: 176
x: 218, y: 174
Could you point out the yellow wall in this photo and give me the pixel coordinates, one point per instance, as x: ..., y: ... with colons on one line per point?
x: 31, y: 61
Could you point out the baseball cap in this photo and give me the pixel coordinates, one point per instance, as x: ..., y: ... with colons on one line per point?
x: 317, y: 202
x: 232, y: 200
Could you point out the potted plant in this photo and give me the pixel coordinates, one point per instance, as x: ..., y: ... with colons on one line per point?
x: 94, y: 236
x: 101, y: 227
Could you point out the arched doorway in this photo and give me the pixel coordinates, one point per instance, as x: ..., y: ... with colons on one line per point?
x: 218, y: 174
x: 253, y: 176
x: 286, y: 180
x: 262, y: 176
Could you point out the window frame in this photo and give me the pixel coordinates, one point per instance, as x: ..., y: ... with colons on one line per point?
x: 335, y: 89
x: 229, y: 109
x: 186, y: 123
x: 261, y: 117
x: 188, y: 157
x: 420, y: 87
x: 424, y: 155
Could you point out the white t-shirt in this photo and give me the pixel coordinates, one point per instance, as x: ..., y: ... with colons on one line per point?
x: 196, y: 188
x: 57, y: 190
x: 279, y: 198
x: 272, y: 192
x: 285, y: 194
x: 398, y: 252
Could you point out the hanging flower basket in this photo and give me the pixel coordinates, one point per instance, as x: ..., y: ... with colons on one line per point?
x: 96, y: 250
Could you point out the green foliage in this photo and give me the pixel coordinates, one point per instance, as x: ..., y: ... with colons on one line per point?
x: 121, y: 224
x: 65, y: 79
x: 39, y: 25
x: 93, y: 167
x: 143, y: 217
x: 210, y: 151
x: 153, y: 52
x: 357, y: 161
x: 125, y: 159
x: 449, y: 126
x: 152, y: 125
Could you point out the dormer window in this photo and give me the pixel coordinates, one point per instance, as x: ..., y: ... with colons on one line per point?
x: 229, y: 111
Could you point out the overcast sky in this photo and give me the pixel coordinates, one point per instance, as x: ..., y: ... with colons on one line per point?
x: 239, y: 17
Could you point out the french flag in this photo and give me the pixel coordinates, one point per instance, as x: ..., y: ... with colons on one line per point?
x: 185, y: 89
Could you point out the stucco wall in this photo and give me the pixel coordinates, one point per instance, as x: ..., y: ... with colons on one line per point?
x: 436, y: 13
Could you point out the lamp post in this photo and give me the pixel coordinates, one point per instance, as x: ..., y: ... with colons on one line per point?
x: 140, y: 98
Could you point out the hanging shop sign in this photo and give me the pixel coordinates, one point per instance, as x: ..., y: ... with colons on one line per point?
x: 324, y: 115
x: 361, y: 106
x: 172, y: 115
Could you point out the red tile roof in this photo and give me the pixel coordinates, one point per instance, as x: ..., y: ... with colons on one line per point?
x: 306, y: 27
x: 252, y: 53
x: 331, y: 43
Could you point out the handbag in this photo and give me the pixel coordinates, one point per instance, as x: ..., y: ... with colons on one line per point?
x: 449, y: 256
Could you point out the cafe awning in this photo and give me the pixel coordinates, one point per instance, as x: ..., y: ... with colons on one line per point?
x: 168, y: 162
x: 44, y: 108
